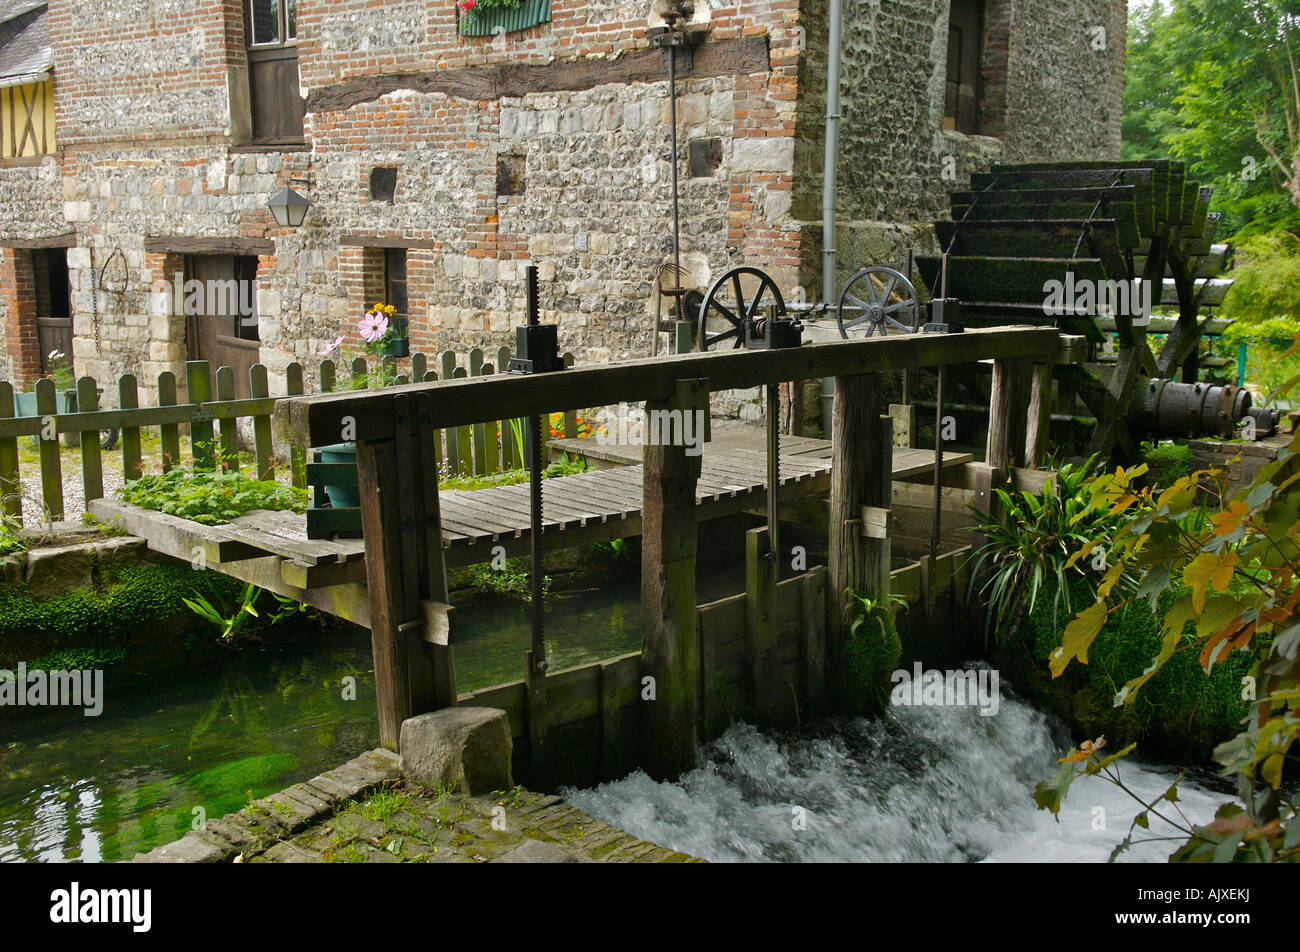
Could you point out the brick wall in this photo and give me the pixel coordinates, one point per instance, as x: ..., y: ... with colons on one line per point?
x: 22, y: 347
x: 143, y: 69
x: 147, y: 103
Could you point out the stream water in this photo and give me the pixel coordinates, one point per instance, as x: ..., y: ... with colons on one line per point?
x: 207, y: 738
x: 926, y: 784
x: 930, y: 784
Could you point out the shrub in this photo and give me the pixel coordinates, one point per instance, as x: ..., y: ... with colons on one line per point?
x: 1167, y: 462
x: 1028, y: 552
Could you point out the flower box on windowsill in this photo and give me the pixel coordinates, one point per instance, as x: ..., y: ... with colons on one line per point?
x: 487, y: 21
x: 396, y: 347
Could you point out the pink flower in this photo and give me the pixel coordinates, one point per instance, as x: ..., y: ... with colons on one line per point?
x: 330, y: 348
x: 373, y: 326
x: 467, y: 5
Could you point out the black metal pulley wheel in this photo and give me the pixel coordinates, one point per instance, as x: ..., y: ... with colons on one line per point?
x: 878, y: 299
x: 728, y: 307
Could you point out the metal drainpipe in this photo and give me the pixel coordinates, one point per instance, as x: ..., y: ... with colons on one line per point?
x: 829, y: 188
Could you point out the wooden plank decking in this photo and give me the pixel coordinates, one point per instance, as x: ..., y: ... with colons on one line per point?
x: 271, y: 549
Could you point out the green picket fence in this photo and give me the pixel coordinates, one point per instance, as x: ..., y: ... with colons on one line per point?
x: 211, y: 416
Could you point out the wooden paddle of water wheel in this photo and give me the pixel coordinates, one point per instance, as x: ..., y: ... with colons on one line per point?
x: 1098, y: 231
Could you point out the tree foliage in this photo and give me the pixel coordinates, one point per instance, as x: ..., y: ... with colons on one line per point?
x: 1215, y: 82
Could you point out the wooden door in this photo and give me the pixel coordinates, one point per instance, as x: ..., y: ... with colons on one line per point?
x: 962, y: 91
x: 224, y: 331
x: 271, y: 36
x: 278, y: 109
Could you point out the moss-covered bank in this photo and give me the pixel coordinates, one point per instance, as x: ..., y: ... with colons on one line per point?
x: 1180, y: 715
x: 131, y: 617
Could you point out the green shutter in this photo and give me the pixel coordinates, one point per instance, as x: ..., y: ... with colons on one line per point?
x: 485, y: 23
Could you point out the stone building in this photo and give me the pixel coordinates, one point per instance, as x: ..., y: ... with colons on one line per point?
x: 438, y: 164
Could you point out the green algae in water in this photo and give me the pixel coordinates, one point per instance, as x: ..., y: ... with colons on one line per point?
x: 198, y: 742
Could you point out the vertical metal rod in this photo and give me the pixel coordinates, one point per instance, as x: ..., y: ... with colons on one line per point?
x: 535, y: 498
x: 907, y: 375
x: 831, y: 162
x: 774, y: 476
x: 672, y: 116
x: 938, y: 464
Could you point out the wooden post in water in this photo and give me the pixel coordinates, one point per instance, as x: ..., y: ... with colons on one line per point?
x: 1009, y: 414
x: 668, y: 604
x: 405, y: 570
x: 861, y: 463
x: 1040, y: 415
x: 771, y: 695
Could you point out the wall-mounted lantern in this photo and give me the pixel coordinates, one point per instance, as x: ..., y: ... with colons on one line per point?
x: 288, y: 208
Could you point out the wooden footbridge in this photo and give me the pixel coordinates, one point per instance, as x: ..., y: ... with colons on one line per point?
x: 784, y: 638
x: 773, y: 654
x: 272, y: 549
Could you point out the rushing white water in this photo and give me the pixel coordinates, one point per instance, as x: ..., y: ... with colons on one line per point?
x: 928, y: 784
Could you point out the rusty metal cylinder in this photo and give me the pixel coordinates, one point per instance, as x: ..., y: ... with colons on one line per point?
x: 1172, y: 409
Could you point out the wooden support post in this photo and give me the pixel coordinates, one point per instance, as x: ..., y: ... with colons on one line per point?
x: 51, y: 463
x: 128, y: 398
x: 760, y: 626
x: 227, y: 427
x: 262, y: 450
x: 11, y: 493
x: 535, y: 700
x: 668, y: 605
x: 92, y: 464
x: 1040, y: 416
x: 478, y: 432
x: 433, y: 565
x: 861, y: 455
x: 1009, y: 414
x: 405, y: 570
x: 491, y: 435
x: 169, y: 434
x: 813, y: 608
x: 297, y: 454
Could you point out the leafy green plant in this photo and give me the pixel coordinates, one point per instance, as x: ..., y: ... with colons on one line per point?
x: 210, y: 497
x: 229, y: 623
x: 561, y: 467
x: 10, y: 539
x: 512, y: 582
x: 565, y: 466
x: 1240, y: 567
x: 1028, y: 549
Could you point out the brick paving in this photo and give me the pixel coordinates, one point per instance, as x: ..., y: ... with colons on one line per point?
x: 361, y: 812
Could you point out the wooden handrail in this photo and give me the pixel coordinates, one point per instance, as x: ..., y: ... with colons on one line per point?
x: 318, y: 420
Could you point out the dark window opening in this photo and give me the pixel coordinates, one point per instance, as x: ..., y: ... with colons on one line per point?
x: 383, y: 185
x: 963, y: 87
x: 53, y: 307
x: 510, y: 175
x: 705, y: 157
x: 271, y: 29
x: 395, y: 283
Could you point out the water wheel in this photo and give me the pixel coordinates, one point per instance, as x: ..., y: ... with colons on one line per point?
x: 1020, y: 230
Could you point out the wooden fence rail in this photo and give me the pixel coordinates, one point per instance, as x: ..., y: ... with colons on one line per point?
x: 212, y: 415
